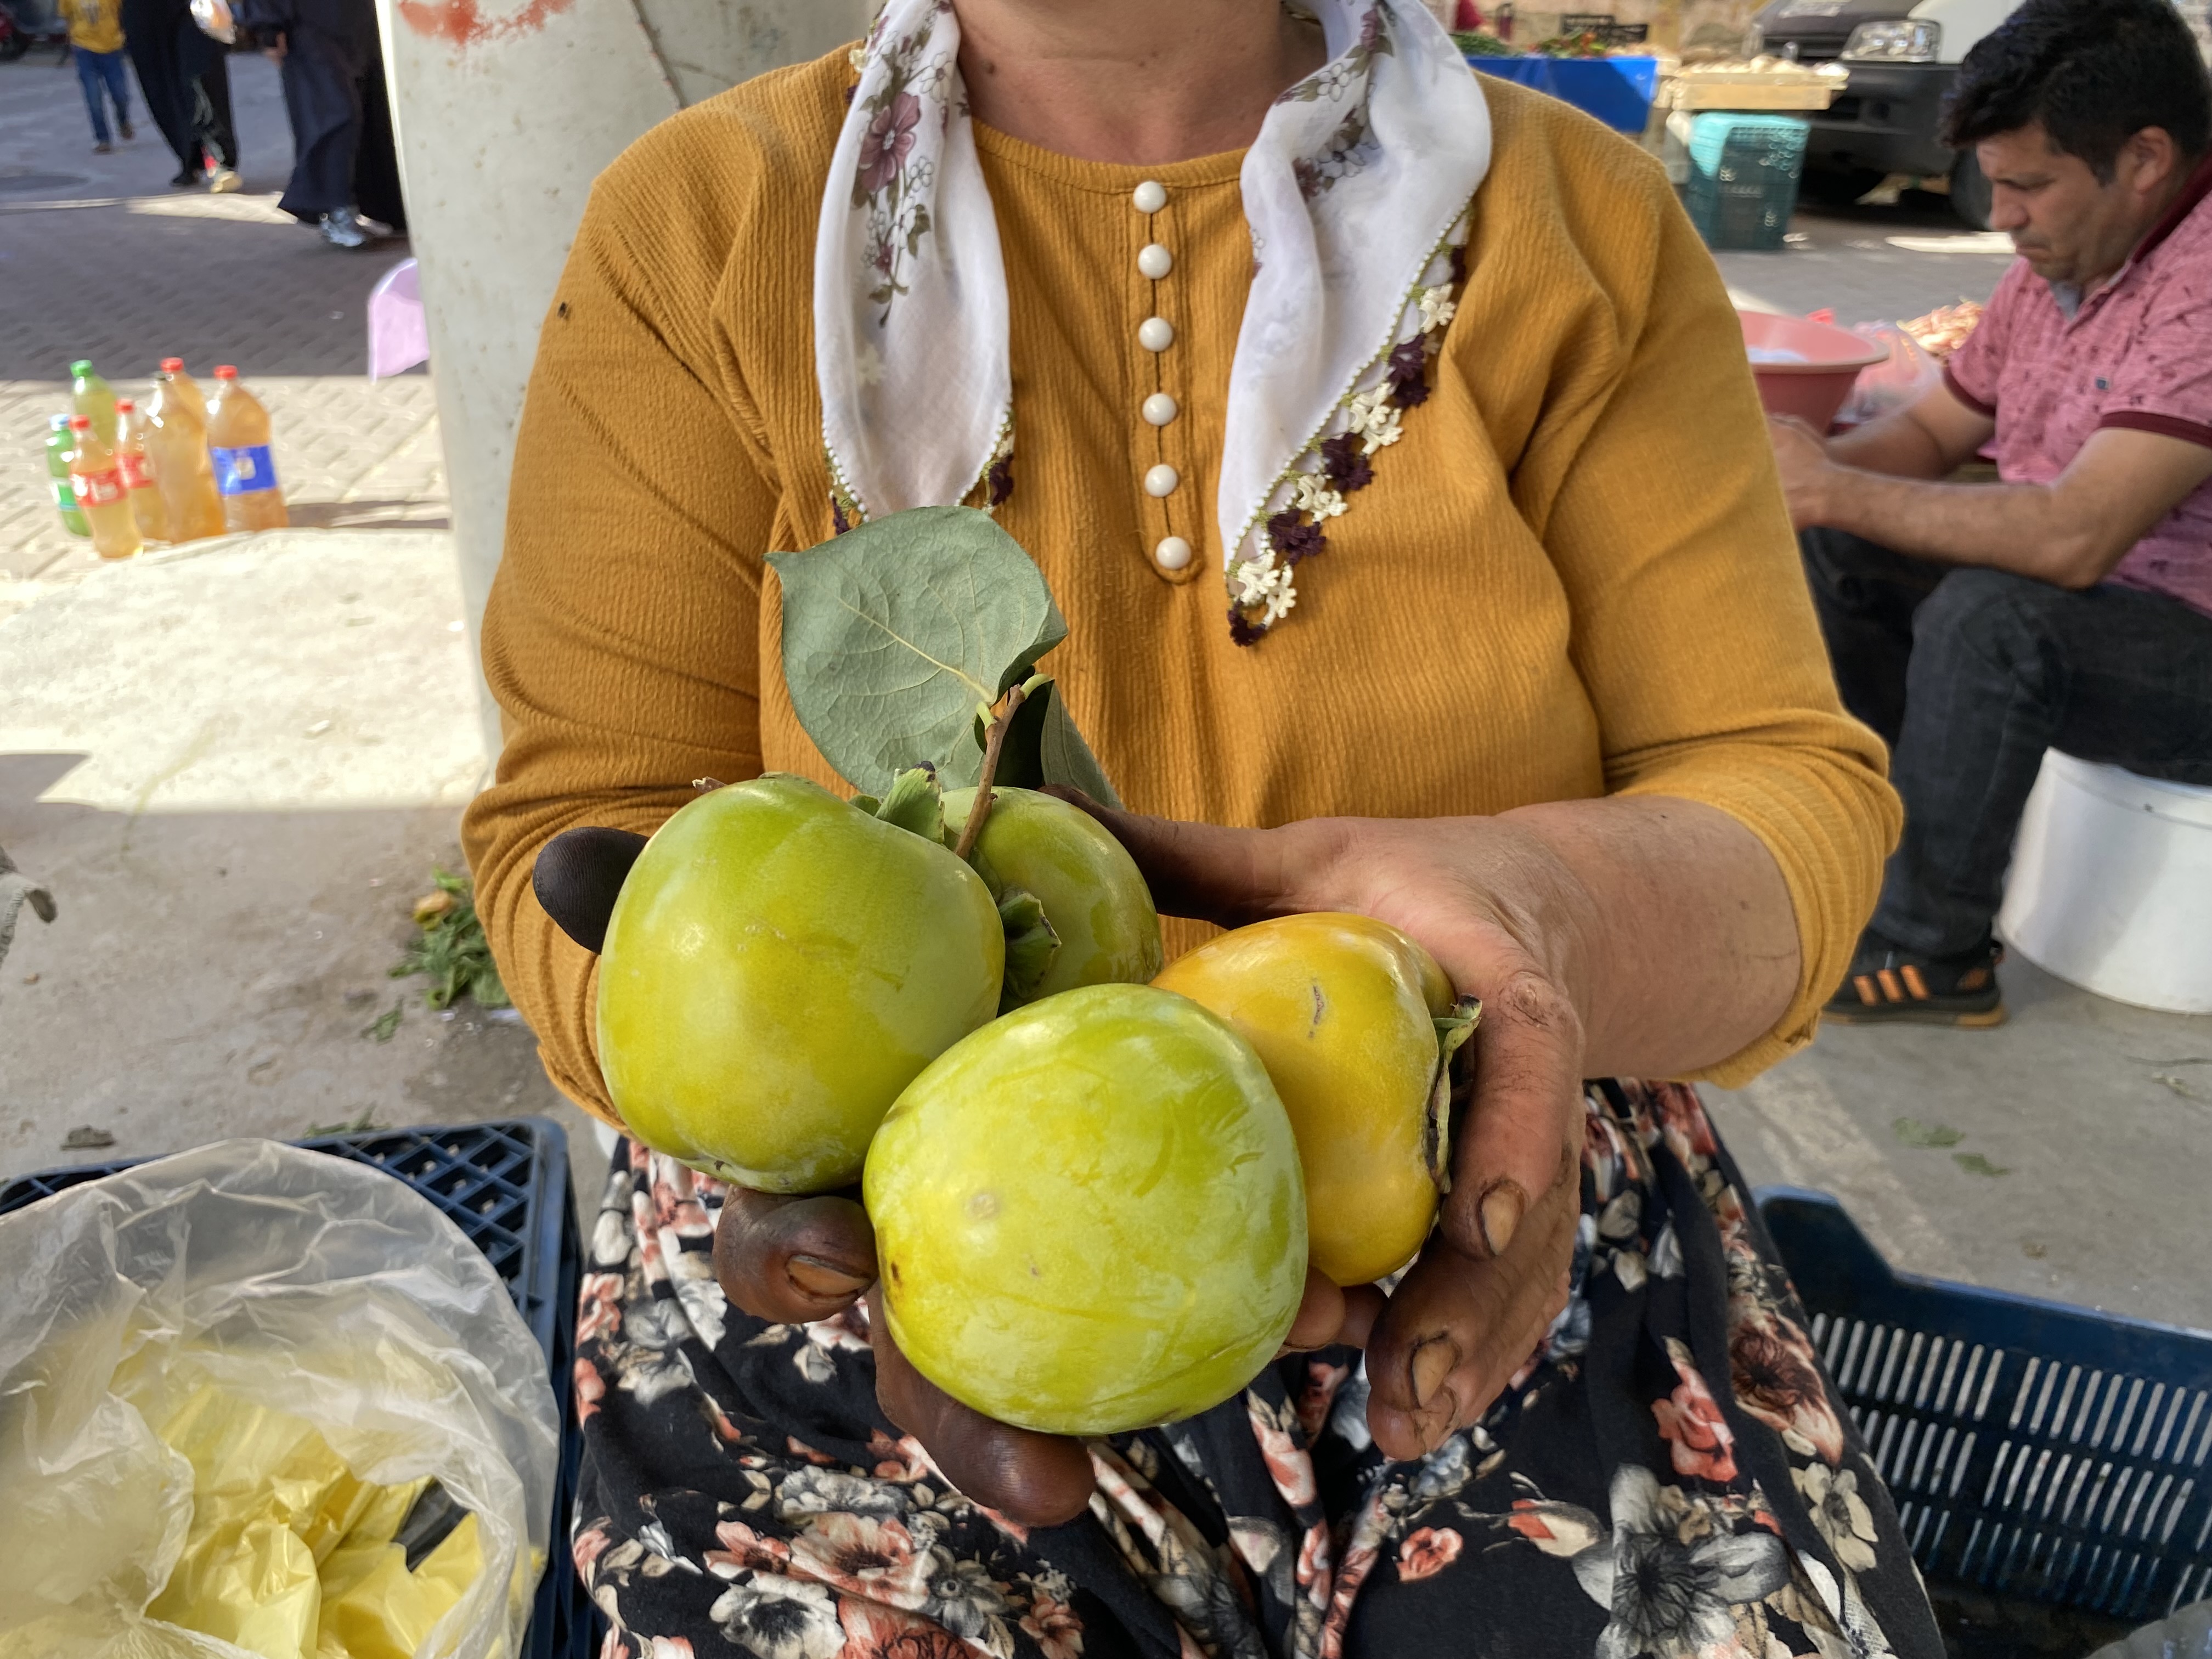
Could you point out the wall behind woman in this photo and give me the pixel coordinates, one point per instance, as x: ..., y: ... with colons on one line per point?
x: 506, y: 111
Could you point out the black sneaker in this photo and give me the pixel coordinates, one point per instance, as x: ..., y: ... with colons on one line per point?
x: 1890, y: 986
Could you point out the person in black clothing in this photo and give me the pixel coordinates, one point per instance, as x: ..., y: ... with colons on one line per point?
x: 345, y: 171
x: 185, y: 77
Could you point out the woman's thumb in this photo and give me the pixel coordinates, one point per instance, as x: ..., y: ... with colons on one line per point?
x: 1229, y: 877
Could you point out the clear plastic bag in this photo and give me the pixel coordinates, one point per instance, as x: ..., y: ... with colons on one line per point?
x: 1898, y: 380
x: 283, y: 1279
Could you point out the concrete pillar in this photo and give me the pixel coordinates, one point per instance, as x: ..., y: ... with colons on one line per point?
x: 506, y: 111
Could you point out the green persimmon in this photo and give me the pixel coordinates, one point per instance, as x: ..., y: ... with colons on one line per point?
x: 1089, y: 1215
x: 1103, y: 929
x: 779, y: 966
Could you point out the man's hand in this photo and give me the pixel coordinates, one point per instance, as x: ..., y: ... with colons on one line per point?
x: 1807, y: 471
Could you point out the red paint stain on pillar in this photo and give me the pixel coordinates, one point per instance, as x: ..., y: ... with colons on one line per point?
x: 462, y: 22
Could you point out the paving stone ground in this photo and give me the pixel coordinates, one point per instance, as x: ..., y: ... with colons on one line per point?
x: 99, y: 259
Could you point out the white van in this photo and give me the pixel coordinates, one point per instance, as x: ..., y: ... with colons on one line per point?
x: 1903, y: 59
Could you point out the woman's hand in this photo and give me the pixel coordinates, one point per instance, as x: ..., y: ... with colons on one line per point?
x: 1646, y: 935
x: 797, y: 1260
x: 1508, y: 920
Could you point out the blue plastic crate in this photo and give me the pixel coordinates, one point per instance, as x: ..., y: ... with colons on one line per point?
x: 1744, y: 170
x: 1617, y: 91
x: 506, y: 1186
x: 2038, y: 1453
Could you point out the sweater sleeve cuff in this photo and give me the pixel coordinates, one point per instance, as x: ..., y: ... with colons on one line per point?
x: 1829, y: 827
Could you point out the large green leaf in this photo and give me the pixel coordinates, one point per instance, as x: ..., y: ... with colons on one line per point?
x: 895, y: 631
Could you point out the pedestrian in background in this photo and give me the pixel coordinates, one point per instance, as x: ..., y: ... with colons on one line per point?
x: 345, y: 170
x: 95, y: 30
x: 185, y: 77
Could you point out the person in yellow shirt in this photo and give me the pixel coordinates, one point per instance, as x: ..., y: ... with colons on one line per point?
x: 1433, y: 565
x: 95, y: 29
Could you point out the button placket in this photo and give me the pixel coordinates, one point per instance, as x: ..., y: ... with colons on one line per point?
x: 1172, y: 554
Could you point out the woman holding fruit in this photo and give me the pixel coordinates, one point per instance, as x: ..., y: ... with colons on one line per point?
x: 1386, y: 442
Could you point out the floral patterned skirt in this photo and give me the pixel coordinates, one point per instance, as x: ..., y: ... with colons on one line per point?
x: 1669, y: 1475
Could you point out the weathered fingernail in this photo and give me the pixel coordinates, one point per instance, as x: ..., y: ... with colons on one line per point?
x: 1441, y: 1423
x: 819, y: 1278
x: 1500, y: 1214
x: 1437, y: 1358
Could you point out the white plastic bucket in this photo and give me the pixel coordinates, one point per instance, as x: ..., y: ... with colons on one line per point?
x: 2110, y: 886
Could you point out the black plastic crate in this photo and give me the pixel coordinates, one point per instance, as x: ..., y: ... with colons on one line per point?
x: 2038, y: 1453
x: 506, y: 1186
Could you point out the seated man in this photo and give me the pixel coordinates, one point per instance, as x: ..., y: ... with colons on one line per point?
x: 2069, y: 605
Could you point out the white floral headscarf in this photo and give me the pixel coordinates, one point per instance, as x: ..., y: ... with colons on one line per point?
x: 1359, y: 174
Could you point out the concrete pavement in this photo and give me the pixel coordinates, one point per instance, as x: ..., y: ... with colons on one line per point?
x: 99, y: 259
x: 235, y: 765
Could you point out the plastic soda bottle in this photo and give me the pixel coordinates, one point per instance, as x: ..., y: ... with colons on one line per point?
x: 139, y: 472
x: 176, y: 392
x: 93, y: 398
x: 176, y: 444
x: 245, y: 472
x: 58, y: 449
x: 97, y: 478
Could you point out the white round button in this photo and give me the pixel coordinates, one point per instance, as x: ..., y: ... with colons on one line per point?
x: 1154, y: 260
x: 1159, y: 409
x: 1150, y: 196
x: 1172, y: 554
x: 1155, y: 334
x: 1162, y: 480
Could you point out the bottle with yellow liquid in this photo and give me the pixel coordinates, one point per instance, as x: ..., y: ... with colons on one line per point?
x: 177, y: 445
x: 96, y: 478
x: 245, y: 470
x: 93, y: 398
x: 139, y: 472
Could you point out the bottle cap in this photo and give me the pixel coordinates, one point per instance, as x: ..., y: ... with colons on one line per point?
x: 80, y: 424
x: 226, y: 371
x: 173, y: 365
x: 81, y: 368
x: 125, y: 406
x: 58, y: 424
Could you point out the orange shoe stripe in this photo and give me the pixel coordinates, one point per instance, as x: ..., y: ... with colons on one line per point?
x: 1864, y: 985
x: 1889, y: 984
x: 1918, y: 986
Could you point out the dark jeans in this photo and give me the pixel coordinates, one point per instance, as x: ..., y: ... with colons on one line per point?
x: 1969, y: 675
x: 103, y: 69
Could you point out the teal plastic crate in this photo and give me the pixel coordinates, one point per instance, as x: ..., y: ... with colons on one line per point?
x: 1743, y: 177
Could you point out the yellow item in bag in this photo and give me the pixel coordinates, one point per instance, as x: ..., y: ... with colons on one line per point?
x: 289, y: 1555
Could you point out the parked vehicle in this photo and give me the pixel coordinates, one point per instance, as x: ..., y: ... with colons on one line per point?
x: 1902, y: 58
x: 27, y: 23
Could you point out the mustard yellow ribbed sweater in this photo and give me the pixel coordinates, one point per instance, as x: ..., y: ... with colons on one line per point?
x: 1572, y: 576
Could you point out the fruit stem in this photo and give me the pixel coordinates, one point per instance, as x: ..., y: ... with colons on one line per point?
x: 993, y: 741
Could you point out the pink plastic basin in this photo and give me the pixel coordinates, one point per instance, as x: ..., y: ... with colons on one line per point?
x: 1816, y: 389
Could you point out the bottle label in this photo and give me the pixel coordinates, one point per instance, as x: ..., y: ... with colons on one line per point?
x: 245, y: 472
x: 97, y: 489
x: 135, y: 475
x: 65, y: 497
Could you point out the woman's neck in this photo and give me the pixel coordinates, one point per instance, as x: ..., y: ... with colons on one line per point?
x: 1134, y: 80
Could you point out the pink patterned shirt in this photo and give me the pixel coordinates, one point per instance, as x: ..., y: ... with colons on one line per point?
x: 2052, y: 368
